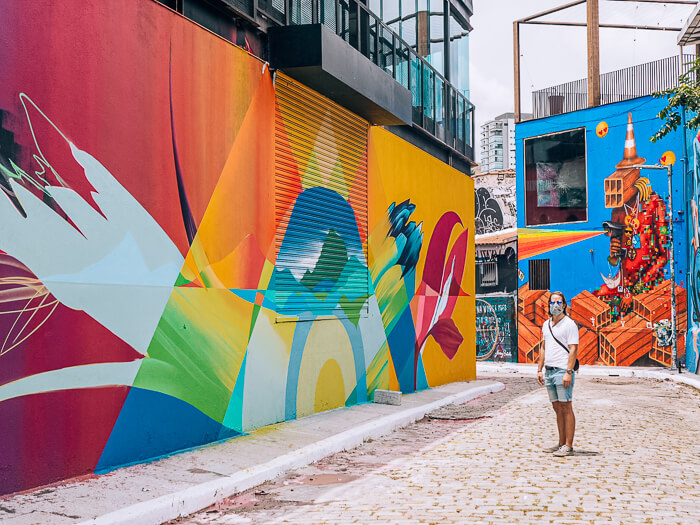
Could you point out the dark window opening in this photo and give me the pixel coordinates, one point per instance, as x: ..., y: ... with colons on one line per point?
x: 539, y: 274
x: 555, y: 178
x: 488, y: 274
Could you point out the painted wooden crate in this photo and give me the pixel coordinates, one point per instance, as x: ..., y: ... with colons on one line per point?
x: 625, y: 341
x: 587, y: 346
x: 529, y: 340
x: 663, y: 354
x: 526, y: 301
x: 655, y: 304
x: 589, y: 311
x: 541, y: 310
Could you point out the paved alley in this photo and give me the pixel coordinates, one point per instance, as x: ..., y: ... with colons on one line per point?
x: 637, y: 461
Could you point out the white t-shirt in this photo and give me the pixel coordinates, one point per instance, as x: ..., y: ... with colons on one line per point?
x: 567, y: 332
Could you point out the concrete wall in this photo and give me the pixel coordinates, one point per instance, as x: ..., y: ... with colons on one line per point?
x: 617, y: 325
x: 137, y: 250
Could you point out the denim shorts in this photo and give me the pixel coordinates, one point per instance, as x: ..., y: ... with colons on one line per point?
x: 554, y: 381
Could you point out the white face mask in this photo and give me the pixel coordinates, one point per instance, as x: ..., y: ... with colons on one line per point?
x: 556, y: 309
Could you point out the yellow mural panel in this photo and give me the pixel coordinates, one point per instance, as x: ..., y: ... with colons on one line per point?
x: 428, y: 254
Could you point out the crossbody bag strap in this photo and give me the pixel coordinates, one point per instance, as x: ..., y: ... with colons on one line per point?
x: 557, y: 340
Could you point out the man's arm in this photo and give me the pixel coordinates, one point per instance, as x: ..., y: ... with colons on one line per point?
x: 540, y: 365
x: 573, y: 351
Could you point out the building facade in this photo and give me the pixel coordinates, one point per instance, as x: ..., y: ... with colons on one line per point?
x: 497, y: 142
x: 496, y: 266
x: 196, y: 242
x: 596, y: 226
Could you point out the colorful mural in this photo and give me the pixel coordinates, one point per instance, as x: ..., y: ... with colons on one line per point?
x: 693, y: 344
x: 426, y: 297
x: 495, y: 201
x: 496, y: 333
x: 496, y: 266
x: 613, y: 266
x: 151, y: 294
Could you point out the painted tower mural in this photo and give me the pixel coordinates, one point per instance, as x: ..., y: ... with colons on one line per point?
x: 596, y: 226
x: 693, y: 346
x: 183, y: 258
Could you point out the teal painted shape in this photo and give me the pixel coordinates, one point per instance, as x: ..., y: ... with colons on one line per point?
x: 234, y: 412
x: 352, y: 398
x: 421, y: 378
x: 246, y: 295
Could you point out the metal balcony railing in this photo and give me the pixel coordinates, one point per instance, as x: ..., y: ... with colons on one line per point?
x: 438, y: 107
x: 616, y: 86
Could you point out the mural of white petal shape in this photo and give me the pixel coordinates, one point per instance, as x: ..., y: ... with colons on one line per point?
x: 118, y: 267
x: 84, y: 376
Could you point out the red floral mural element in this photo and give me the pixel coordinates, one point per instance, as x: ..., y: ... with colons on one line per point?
x: 441, y: 288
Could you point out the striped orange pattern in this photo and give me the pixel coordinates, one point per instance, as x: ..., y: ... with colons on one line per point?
x: 535, y: 242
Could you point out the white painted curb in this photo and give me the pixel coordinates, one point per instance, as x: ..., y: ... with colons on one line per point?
x: 597, y: 371
x: 198, y: 497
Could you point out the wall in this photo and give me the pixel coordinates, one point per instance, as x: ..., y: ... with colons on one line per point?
x: 496, y: 329
x: 693, y: 186
x: 495, y: 201
x: 138, y: 309
x: 617, y: 325
x: 421, y: 251
x: 496, y: 243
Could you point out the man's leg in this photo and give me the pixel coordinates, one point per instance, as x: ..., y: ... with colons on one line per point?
x: 567, y: 411
x: 561, y: 423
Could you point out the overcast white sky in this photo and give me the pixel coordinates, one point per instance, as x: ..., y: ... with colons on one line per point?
x: 555, y: 55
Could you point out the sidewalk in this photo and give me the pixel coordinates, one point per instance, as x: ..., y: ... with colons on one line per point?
x: 183, y: 483
x: 599, y: 371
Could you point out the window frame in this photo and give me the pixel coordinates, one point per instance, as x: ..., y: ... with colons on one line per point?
x: 585, y: 164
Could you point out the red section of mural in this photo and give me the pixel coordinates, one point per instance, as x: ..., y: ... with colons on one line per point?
x: 100, y: 94
x: 40, y: 334
x: 45, y: 436
x: 440, y: 288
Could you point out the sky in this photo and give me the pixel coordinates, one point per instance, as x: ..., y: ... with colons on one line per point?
x: 555, y: 55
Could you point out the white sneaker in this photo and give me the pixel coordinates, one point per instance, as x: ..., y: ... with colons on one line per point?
x: 564, y: 450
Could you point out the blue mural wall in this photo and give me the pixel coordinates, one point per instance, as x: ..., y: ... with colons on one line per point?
x: 693, y: 190
x: 611, y: 287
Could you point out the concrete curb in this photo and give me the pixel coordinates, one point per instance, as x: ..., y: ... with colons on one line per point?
x: 597, y: 371
x: 198, y: 497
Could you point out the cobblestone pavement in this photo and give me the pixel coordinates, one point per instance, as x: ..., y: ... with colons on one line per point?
x: 637, y: 461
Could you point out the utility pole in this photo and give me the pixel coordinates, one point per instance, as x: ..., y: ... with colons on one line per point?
x: 593, y: 28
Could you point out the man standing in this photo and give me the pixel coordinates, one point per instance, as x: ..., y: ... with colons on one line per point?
x: 558, y: 357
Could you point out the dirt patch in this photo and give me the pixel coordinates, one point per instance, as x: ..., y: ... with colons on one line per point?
x: 480, y: 407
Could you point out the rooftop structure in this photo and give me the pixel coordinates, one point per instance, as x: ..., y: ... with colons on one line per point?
x: 597, y: 89
x: 624, y: 84
x: 387, y: 61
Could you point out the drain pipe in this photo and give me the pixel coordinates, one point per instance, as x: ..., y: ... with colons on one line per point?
x: 669, y: 170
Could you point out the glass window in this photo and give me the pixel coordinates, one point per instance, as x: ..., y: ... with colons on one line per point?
x: 390, y: 10
x: 459, y: 57
x: 436, y: 28
x: 555, y: 178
